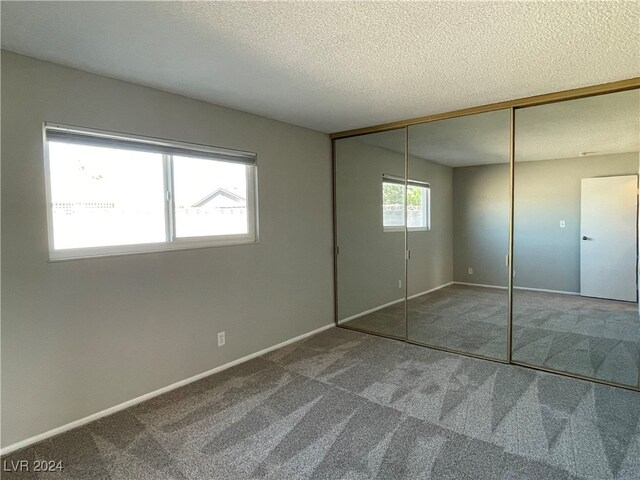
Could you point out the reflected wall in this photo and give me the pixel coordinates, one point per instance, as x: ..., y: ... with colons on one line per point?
x: 458, y: 277
x: 370, y: 239
x: 423, y: 244
x: 575, y: 237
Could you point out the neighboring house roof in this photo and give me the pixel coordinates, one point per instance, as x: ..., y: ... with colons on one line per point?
x: 216, y: 193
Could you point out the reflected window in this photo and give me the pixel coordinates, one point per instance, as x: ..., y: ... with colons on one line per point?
x: 418, y: 201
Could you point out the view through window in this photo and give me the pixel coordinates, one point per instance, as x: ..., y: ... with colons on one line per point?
x: 102, y: 196
x: 210, y: 197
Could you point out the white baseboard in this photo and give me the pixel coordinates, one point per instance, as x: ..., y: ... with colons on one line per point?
x: 480, y: 285
x: 380, y: 307
x: 366, y: 312
x: 544, y: 290
x: 429, y: 291
x: 129, y: 403
x: 561, y: 292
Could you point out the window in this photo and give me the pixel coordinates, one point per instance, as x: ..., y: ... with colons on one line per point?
x: 418, y: 201
x: 111, y: 194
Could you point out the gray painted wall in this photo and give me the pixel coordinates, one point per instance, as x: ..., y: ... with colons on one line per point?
x: 431, y: 263
x: 545, y: 256
x: 82, y: 336
x: 371, y: 261
x: 481, y: 224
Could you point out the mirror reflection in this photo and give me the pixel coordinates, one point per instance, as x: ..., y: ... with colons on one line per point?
x: 458, y: 278
x: 575, y: 304
x: 369, y: 186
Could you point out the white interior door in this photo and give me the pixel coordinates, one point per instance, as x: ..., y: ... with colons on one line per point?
x: 609, y: 237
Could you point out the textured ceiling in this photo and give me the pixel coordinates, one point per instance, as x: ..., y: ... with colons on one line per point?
x: 599, y: 125
x: 337, y: 65
x: 457, y: 142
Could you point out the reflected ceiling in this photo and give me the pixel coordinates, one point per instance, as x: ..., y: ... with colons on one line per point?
x: 599, y: 125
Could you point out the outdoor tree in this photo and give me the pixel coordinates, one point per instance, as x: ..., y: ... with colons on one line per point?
x: 392, y: 195
x: 414, y: 197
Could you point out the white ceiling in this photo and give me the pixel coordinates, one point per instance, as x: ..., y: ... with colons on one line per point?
x: 600, y: 125
x: 333, y: 66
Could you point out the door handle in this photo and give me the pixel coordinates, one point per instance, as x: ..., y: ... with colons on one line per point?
x: 584, y: 237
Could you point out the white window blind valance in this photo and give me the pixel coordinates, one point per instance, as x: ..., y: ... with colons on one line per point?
x: 58, y: 133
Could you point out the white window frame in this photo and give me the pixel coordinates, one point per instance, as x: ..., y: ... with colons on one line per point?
x: 426, y: 203
x: 426, y: 206
x: 167, y: 149
x: 392, y: 180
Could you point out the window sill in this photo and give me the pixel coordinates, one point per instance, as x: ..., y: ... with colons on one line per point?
x: 121, y: 250
x: 401, y: 229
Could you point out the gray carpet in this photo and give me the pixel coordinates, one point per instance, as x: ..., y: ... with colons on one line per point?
x: 346, y: 405
x: 591, y: 337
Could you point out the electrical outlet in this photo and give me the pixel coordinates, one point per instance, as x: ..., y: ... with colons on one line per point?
x: 221, y: 339
x: 399, y: 283
x: 470, y: 270
x: 563, y: 224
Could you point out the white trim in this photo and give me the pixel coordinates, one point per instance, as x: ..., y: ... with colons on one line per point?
x: 429, y: 291
x: 129, y: 403
x: 544, y: 290
x: 380, y: 307
x: 119, y: 250
x: 560, y: 292
x: 480, y: 285
x: 366, y: 312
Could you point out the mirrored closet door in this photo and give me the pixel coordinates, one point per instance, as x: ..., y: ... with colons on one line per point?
x: 575, y: 279
x: 370, y: 234
x: 458, y: 233
x: 424, y: 215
